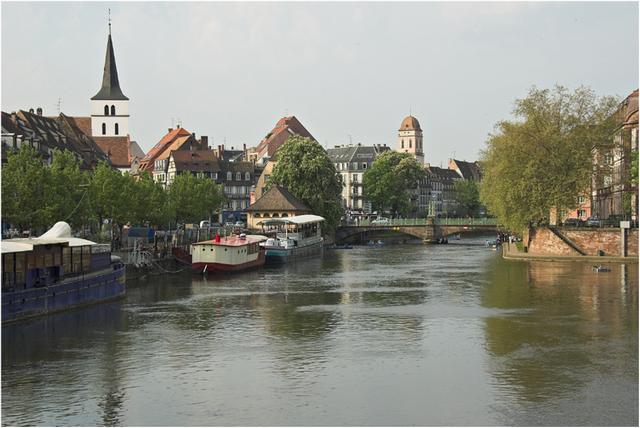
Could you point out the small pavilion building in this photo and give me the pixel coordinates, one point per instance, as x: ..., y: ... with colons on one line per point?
x: 276, y: 202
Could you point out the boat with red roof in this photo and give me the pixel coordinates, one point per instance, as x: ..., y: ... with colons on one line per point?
x: 229, y: 253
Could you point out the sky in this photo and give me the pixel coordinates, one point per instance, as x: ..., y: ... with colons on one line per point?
x: 350, y: 72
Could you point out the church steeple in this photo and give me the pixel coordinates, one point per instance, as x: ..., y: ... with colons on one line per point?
x: 110, y: 86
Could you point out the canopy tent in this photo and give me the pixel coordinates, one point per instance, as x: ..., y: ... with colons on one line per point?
x: 297, y: 220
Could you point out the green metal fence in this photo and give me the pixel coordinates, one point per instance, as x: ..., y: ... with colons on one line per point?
x: 423, y: 222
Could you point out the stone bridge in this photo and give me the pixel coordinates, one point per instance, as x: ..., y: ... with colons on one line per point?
x: 428, y: 230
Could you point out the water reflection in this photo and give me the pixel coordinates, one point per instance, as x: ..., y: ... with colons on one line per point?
x: 404, y: 335
x: 581, y: 322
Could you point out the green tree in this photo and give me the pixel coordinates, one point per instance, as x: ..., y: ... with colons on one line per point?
x: 24, y: 188
x: 66, y: 190
x: 543, y: 160
x: 105, y: 191
x: 305, y: 169
x: 191, y: 199
x: 388, y: 182
x: 468, y: 197
x: 150, y: 202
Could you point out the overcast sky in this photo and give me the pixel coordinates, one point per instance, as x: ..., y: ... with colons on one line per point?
x: 231, y: 70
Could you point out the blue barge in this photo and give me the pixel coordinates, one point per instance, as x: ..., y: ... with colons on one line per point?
x: 55, y: 272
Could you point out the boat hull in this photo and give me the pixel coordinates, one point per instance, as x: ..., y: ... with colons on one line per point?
x: 282, y: 255
x: 227, y: 267
x: 83, y: 290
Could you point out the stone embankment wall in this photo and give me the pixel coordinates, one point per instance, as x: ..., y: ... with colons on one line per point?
x: 543, y: 241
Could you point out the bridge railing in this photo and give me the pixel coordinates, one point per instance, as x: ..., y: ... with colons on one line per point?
x: 423, y: 222
x: 466, y: 221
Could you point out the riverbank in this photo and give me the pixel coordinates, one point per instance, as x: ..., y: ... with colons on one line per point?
x: 511, y: 252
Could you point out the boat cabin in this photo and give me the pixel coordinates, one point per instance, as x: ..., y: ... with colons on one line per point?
x: 43, y: 261
x: 297, y: 229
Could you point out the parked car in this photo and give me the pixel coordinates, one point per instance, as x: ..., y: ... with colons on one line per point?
x: 576, y: 222
x: 239, y: 224
x: 204, y: 224
x: 380, y: 220
x: 228, y: 224
x: 593, y: 222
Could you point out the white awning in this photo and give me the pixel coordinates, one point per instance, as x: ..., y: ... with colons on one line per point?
x: 60, y: 233
x: 15, y: 247
x: 298, y: 219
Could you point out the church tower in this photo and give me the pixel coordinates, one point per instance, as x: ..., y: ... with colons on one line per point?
x: 110, y: 107
x: 410, y: 138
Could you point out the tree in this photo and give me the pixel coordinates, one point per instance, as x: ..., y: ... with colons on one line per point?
x: 191, y: 199
x: 66, y: 190
x: 24, y: 181
x: 305, y: 169
x: 543, y: 161
x: 468, y: 197
x: 388, y: 181
x: 150, y: 202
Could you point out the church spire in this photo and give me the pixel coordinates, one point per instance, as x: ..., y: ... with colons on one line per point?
x: 110, y: 86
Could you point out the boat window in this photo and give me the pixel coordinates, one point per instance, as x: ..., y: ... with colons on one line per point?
x: 203, y: 248
x: 21, y: 264
x: 86, y: 258
x: 8, y: 278
x: 76, y: 259
x: 66, y: 259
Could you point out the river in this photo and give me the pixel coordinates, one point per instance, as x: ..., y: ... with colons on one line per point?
x: 400, y: 335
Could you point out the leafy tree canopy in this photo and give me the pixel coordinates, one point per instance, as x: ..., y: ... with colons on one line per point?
x: 191, y: 198
x: 468, y: 197
x: 543, y: 159
x: 305, y: 169
x: 388, y: 182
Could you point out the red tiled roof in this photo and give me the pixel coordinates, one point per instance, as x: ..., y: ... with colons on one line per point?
x: 83, y: 123
x: 285, y: 127
x: 116, y: 148
x: 147, y: 162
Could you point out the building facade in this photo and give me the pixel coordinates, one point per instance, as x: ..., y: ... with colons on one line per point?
x: 614, y: 192
x: 351, y: 162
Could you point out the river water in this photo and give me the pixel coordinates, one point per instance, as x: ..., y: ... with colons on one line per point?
x: 400, y: 335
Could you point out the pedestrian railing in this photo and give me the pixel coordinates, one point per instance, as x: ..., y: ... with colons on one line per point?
x: 423, y: 222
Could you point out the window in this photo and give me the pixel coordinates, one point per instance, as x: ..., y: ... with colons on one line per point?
x: 106, y: 110
x: 402, y: 146
x: 214, y: 175
x: 581, y: 200
x: 116, y: 129
x: 229, y: 176
x: 409, y: 143
x: 104, y: 129
x: 247, y: 176
x: 238, y: 176
x: 113, y: 110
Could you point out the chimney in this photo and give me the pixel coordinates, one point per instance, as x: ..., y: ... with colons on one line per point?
x: 194, y: 135
x: 169, y: 130
x: 39, y: 111
x: 204, y: 142
x: 244, y: 147
x: 31, y: 110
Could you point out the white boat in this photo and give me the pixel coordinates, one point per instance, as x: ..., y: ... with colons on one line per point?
x: 296, y: 237
x: 229, y: 253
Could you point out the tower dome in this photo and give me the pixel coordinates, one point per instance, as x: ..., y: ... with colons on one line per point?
x: 410, y: 123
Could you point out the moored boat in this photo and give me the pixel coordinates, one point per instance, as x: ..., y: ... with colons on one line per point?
x: 229, y: 253
x: 55, y: 272
x: 296, y: 237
